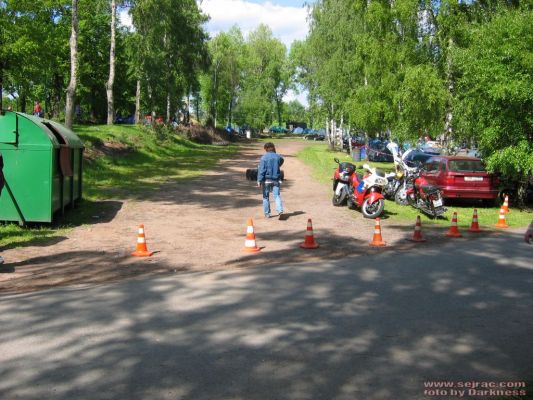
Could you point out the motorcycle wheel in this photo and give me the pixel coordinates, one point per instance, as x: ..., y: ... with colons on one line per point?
x: 401, y: 197
x: 373, y: 210
x: 336, y: 200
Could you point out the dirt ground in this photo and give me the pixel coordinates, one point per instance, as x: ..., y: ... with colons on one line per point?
x: 200, y: 225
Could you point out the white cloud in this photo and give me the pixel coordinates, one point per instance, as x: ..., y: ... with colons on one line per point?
x: 287, y: 23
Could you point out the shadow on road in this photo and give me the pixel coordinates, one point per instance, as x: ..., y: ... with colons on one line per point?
x: 358, y: 328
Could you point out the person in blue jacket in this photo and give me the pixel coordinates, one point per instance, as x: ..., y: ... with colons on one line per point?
x: 269, y: 178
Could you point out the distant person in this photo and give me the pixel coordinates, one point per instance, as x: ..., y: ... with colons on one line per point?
x: 1, y: 187
x: 269, y: 178
x: 37, y: 109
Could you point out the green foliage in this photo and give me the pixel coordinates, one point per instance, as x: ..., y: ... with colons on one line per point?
x: 144, y: 159
x: 421, y: 99
x: 494, y: 98
x: 265, y: 80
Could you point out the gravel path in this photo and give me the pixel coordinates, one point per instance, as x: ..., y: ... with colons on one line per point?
x: 200, y: 225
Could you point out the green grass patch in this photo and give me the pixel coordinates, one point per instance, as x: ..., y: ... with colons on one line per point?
x: 320, y: 158
x: 122, y: 162
x: 136, y: 159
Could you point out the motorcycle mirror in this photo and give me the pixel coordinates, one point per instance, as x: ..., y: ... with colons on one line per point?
x: 336, y: 160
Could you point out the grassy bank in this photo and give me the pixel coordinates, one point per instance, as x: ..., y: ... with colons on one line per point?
x: 122, y: 162
x: 321, y: 161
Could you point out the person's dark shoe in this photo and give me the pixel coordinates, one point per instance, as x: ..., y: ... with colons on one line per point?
x: 281, y: 216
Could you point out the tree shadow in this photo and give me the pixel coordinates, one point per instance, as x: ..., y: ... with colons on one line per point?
x: 331, y: 329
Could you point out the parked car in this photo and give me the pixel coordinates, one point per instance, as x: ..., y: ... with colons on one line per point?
x: 378, y: 151
x: 461, y: 177
x: 413, y: 157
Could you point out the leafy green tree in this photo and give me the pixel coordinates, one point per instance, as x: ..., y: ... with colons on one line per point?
x: 494, y: 96
x: 171, y: 49
x: 295, y: 111
x: 265, y: 80
x: 221, y: 83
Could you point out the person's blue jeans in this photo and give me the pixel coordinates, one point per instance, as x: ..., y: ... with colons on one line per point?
x: 275, y: 189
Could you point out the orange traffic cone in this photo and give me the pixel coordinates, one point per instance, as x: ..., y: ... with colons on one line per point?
x: 249, y: 244
x: 506, y: 205
x: 417, y: 235
x: 454, y: 231
x: 474, y: 227
x: 501, y: 220
x: 142, y: 249
x: 377, y: 240
x: 309, y: 242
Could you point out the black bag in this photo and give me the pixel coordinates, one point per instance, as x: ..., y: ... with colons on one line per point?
x: 251, y: 174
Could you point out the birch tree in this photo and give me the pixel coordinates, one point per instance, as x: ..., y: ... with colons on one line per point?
x: 111, y: 80
x: 71, y: 89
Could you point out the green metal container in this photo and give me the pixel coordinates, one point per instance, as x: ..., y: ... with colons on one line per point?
x: 42, y: 168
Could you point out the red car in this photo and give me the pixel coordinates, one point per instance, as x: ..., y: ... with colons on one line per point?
x: 461, y: 177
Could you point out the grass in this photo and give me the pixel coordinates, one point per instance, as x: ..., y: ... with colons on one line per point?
x: 123, y: 162
x: 321, y: 161
x: 145, y: 162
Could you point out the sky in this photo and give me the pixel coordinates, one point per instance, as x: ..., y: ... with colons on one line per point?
x: 286, y: 18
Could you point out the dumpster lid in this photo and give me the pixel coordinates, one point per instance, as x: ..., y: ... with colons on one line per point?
x: 71, y: 139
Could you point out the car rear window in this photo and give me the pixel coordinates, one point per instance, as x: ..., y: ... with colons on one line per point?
x: 466, y: 166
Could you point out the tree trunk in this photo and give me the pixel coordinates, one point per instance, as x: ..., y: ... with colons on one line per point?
x: 71, y: 89
x: 230, y: 111
x: 168, y: 106
x: 111, y: 80
x: 197, y: 105
x: 138, y: 102
x: 23, y: 98
x: 187, y: 111
x: 56, y: 96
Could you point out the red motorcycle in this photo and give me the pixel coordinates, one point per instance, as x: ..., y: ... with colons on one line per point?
x: 364, y: 191
x: 423, y: 196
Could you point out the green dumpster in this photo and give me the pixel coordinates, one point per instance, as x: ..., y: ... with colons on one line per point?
x: 42, y: 168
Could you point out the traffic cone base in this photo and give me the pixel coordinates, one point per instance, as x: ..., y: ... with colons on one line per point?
x: 454, y: 231
x: 474, y: 227
x: 377, y: 240
x: 501, y: 220
x: 142, y: 249
x: 417, y: 235
x: 139, y: 253
x: 249, y: 244
x: 309, y: 242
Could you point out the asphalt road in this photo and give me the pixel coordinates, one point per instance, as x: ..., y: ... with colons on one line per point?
x: 368, y: 327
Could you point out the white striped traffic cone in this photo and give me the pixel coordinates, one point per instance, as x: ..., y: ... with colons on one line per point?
x: 249, y: 244
x: 142, y: 248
